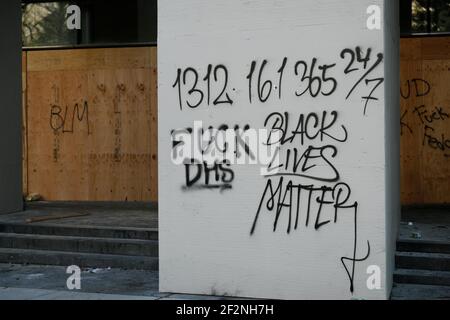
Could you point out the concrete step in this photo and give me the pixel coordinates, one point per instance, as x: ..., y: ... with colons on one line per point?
x: 423, y: 260
x: 130, y: 247
x: 80, y: 231
x: 87, y: 205
x: 95, y: 260
x: 426, y: 277
x: 420, y: 292
x: 413, y: 245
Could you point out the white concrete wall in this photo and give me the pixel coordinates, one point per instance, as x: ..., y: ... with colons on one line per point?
x: 209, y: 240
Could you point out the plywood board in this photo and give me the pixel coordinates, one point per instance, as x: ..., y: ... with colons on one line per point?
x: 90, y: 124
x: 425, y: 130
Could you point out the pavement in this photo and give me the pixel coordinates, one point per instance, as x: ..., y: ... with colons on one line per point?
x: 103, y: 214
x: 42, y: 282
x: 429, y: 224
x: 42, y: 294
x: 38, y: 282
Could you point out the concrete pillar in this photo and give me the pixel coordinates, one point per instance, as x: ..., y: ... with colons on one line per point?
x: 11, y: 107
x: 317, y: 222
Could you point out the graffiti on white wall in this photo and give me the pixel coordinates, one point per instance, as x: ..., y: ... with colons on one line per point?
x: 283, y: 151
x: 309, y: 142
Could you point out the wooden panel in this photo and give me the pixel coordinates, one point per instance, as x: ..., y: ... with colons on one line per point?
x: 91, y: 59
x: 425, y: 109
x: 91, y: 122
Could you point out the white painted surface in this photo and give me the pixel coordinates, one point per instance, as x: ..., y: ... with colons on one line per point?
x: 206, y: 246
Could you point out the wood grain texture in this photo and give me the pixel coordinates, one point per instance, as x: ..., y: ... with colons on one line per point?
x: 91, y: 118
x: 425, y: 140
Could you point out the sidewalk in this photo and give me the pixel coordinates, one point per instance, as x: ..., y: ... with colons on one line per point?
x: 43, y: 294
x: 36, y: 282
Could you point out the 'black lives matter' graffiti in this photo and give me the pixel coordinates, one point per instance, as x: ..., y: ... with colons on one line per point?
x: 63, y: 119
x: 428, y: 117
x: 309, y: 142
x: 304, y: 161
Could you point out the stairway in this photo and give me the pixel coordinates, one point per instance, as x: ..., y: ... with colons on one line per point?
x: 423, y: 269
x: 84, y: 246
